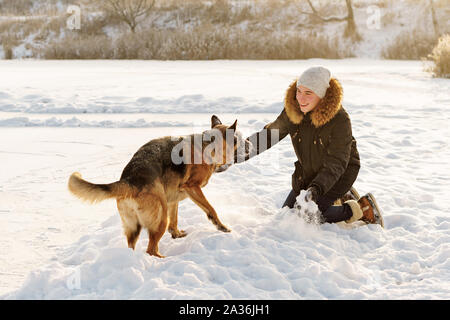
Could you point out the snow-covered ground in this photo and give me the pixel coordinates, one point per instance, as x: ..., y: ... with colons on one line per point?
x: 91, y: 116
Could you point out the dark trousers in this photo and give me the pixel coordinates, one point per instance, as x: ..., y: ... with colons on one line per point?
x: 330, y: 213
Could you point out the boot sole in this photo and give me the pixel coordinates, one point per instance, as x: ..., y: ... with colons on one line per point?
x: 374, y: 203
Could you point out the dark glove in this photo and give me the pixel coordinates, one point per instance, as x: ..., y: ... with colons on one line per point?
x: 313, y: 193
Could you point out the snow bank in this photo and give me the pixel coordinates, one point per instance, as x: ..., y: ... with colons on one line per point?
x: 271, y: 260
x: 38, y: 104
x: 279, y: 257
x: 75, y: 122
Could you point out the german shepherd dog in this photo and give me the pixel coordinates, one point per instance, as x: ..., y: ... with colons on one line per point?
x: 155, y: 180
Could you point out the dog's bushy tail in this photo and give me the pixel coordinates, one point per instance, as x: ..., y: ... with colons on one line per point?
x: 93, y: 193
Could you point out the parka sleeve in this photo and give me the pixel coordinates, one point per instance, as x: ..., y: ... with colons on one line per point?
x: 271, y: 134
x: 338, y: 155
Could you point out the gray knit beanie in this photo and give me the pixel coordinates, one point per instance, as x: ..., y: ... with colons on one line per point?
x: 317, y: 79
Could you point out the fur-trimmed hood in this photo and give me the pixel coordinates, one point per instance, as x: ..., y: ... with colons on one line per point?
x: 327, y: 108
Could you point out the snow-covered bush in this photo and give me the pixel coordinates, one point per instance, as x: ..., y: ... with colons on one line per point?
x: 441, y: 57
x: 221, y: 29
x: 208, y: 44
x: 410, y: 45
x: 93, y: 47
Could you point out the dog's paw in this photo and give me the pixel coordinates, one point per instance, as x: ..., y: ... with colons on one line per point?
x: 156, y: 254
x: 178, y: 234
x: 223, y: 228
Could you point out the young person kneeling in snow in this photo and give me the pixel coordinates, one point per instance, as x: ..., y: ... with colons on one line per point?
x: 328, y: 160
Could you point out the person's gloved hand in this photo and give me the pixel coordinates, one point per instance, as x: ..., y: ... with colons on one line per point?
x: 313, y: 193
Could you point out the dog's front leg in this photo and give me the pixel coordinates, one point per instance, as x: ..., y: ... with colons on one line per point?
x: 173, y: 225
x: 195, y: 194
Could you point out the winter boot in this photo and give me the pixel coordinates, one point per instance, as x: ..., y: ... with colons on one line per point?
x: 365, y: 209
x: 370, y: 209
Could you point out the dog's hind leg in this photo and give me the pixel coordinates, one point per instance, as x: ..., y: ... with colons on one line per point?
x: 173, y: 224
x: 128, y: 210
x: 153, y: 215
x: 133, y: 236
x: 195, y: 194
x: 153, y: 239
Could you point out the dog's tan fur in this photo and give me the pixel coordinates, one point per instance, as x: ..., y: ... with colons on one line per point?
x: 151, y: 187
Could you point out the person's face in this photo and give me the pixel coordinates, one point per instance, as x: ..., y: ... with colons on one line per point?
x: 307, y: 99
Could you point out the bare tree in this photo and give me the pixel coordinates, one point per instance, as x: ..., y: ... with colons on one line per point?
x: 129, y: 11
x: 350, y: 29
x: 433, y: 17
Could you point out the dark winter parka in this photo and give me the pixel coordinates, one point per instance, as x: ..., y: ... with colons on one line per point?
x: 323, y: 142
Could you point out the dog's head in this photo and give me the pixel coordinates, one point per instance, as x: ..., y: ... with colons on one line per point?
x: 227, y: 140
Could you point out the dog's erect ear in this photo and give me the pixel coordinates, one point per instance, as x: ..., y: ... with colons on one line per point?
x: 233, y: 126
x: 215, y: 121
